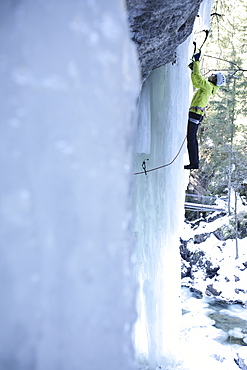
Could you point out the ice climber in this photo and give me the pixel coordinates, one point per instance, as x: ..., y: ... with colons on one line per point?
x: 205, y: 87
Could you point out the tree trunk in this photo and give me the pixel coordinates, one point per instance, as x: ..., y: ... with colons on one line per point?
x: 236, y: 225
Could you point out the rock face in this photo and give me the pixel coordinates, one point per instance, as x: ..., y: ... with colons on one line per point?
x: 158, y: 27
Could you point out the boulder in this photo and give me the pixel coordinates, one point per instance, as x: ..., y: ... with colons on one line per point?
x: 211, y: 270
x: 200, y: 238
x: 210, y: 290
x: 185, y: 269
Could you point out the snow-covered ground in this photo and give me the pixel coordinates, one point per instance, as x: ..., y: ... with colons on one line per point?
x: 213, y: 331
x: 232, y: 276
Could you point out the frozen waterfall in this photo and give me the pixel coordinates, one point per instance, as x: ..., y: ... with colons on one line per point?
x: 158, y: 200
x: 69, y: 87
x: 69, y: 83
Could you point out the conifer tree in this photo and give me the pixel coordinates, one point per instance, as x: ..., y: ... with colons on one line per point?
x: 223, y: 133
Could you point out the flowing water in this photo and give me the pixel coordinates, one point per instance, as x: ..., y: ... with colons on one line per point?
x: 229, y: 319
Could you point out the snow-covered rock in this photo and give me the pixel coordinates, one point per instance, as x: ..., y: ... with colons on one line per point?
x: 211, y: 263
x: 241, y: 359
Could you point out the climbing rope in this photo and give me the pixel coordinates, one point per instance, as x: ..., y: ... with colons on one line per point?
x: 145, y: 171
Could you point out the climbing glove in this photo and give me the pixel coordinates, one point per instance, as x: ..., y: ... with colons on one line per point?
x: 197, y: 56
x: 191, y: 65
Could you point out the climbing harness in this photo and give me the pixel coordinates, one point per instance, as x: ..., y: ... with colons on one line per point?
x: 198, y: 108
x: 145, y: 171
x: 193, y: 120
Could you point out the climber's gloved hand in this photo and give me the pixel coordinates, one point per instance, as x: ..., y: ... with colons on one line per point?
x: 191, y: 65
x: 197, y: 56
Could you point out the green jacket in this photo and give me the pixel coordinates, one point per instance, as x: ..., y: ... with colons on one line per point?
x: 205, y: 89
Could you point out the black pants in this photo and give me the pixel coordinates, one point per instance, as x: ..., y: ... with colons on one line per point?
x: 192, y: 143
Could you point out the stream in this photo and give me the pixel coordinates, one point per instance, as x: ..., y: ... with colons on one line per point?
x: 231, y: 319
x: 212, y: 330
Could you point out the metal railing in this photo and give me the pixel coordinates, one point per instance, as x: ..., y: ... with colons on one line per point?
x: 204, y: 203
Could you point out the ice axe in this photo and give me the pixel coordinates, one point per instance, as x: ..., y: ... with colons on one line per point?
x: 200, y: 48
x: 205, y: 39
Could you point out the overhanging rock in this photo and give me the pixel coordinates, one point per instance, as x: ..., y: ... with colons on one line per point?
x: 158, y: 27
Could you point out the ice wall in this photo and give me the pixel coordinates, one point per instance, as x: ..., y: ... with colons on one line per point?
x: 69, y: 81
x: 158, y: 199
x: 159, y: 211
x: 204, y: 13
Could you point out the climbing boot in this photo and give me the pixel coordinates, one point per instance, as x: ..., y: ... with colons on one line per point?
x: 191, y: 166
